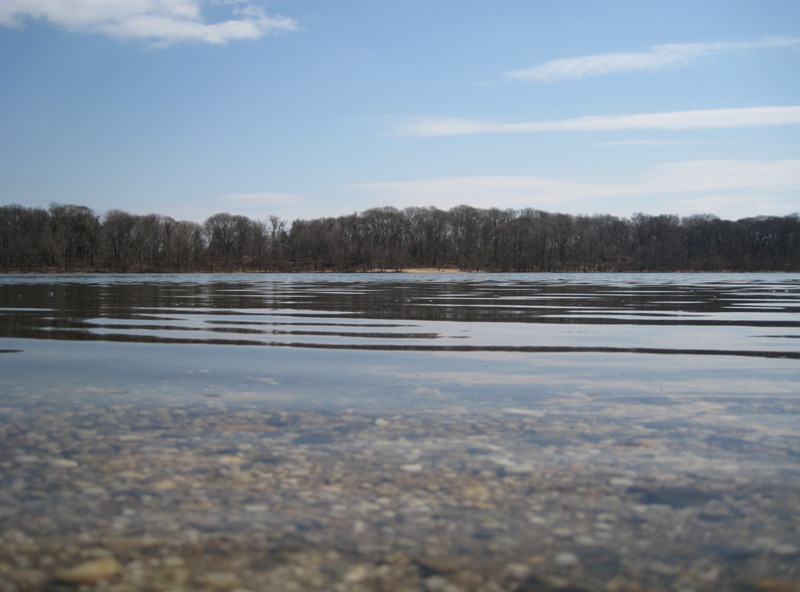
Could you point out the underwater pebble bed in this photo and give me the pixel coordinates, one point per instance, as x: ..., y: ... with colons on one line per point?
x: 115, y: 496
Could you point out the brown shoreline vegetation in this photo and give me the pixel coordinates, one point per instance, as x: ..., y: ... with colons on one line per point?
x: 72, y: 238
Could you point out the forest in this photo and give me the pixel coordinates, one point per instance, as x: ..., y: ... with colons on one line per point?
x: 73, y: 238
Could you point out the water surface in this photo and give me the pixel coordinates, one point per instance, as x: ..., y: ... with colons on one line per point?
x: 403, y: 431
x: 347, y: 339
x: 680, y: 313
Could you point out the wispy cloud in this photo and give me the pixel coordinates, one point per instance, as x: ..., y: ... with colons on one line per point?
x: 654, y: 59
x: 160, y: 22
x: 686, y: 183
x: 671, y: 120
x: 715, y: 175
x: 664, y: 143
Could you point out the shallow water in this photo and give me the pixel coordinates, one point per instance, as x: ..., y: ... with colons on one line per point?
x: 672, y: 313
x: 402, y: 431
x: 338, y: 340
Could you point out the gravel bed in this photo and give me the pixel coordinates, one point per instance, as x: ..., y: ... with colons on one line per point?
x: 121, y: 497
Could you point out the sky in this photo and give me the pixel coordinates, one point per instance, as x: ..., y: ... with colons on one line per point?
x: 310, y: 108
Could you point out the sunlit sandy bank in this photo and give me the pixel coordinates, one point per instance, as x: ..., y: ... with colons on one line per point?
x: 432, y: 270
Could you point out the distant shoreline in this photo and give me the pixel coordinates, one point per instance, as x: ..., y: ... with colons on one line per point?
x: 409, y: 270
x: 414, y: 240
x: 433, y: 270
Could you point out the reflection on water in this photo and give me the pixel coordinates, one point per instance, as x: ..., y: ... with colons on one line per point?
x: 719, y: 314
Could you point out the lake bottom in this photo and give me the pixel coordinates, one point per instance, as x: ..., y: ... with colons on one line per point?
x: 461, y: 472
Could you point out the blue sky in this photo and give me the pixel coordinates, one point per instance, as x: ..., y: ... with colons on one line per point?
x: 310, y: 108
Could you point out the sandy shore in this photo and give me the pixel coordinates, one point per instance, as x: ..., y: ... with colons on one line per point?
x: 432, y: 270
x: 121, y: 497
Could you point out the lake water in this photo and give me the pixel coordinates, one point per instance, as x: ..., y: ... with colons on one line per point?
x: 677, y: 395
x: 387, y: 339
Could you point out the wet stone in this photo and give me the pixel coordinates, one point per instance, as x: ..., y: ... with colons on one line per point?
x: 90, y: 572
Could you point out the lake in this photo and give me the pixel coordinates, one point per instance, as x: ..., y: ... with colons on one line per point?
x: 402, y: 431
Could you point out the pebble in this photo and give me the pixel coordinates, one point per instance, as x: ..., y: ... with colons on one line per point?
x: 517, y: 468
x: 220, y: 580
x: 173, y: 561
x: 412, y: 468
x: 90, y: 572
x: 518, y: 571
x: 356, y: 574
x: 565, y: 559
x: 661, y: 568
x: 164, y: 485
x: 785, y: 549
x: 440, y: 584
x: 64, y: 463
x: 620, y: 482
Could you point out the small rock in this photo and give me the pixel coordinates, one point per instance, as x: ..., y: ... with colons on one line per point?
x: 64, y: 463
x: 620, y: 482
x: 562, y: 531
x: 90, y: 572
x: 712, y: 575
x: 785, y: 549
x: 517, y: 468
x: 221, y: 580
x: 355, y: 574
x: 517, y: 571
x: 173, y: 561
x: 477, y: 491
x: 440, y: 584
x: 662, y: 569
x: 565, y: 559
x: 359, y: 527
x: 164, y: 485
x: 412, y: 468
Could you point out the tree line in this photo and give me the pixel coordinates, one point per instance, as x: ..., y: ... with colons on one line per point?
x: 73, y: 238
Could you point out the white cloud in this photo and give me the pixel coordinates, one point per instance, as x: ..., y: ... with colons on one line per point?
x: 654, y: 59
x: 161, y: 22
x: 713, y: 175
x: 651, y: 143
x: 680, y: 187
x: 671, y: 120
x: 731, y: 207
